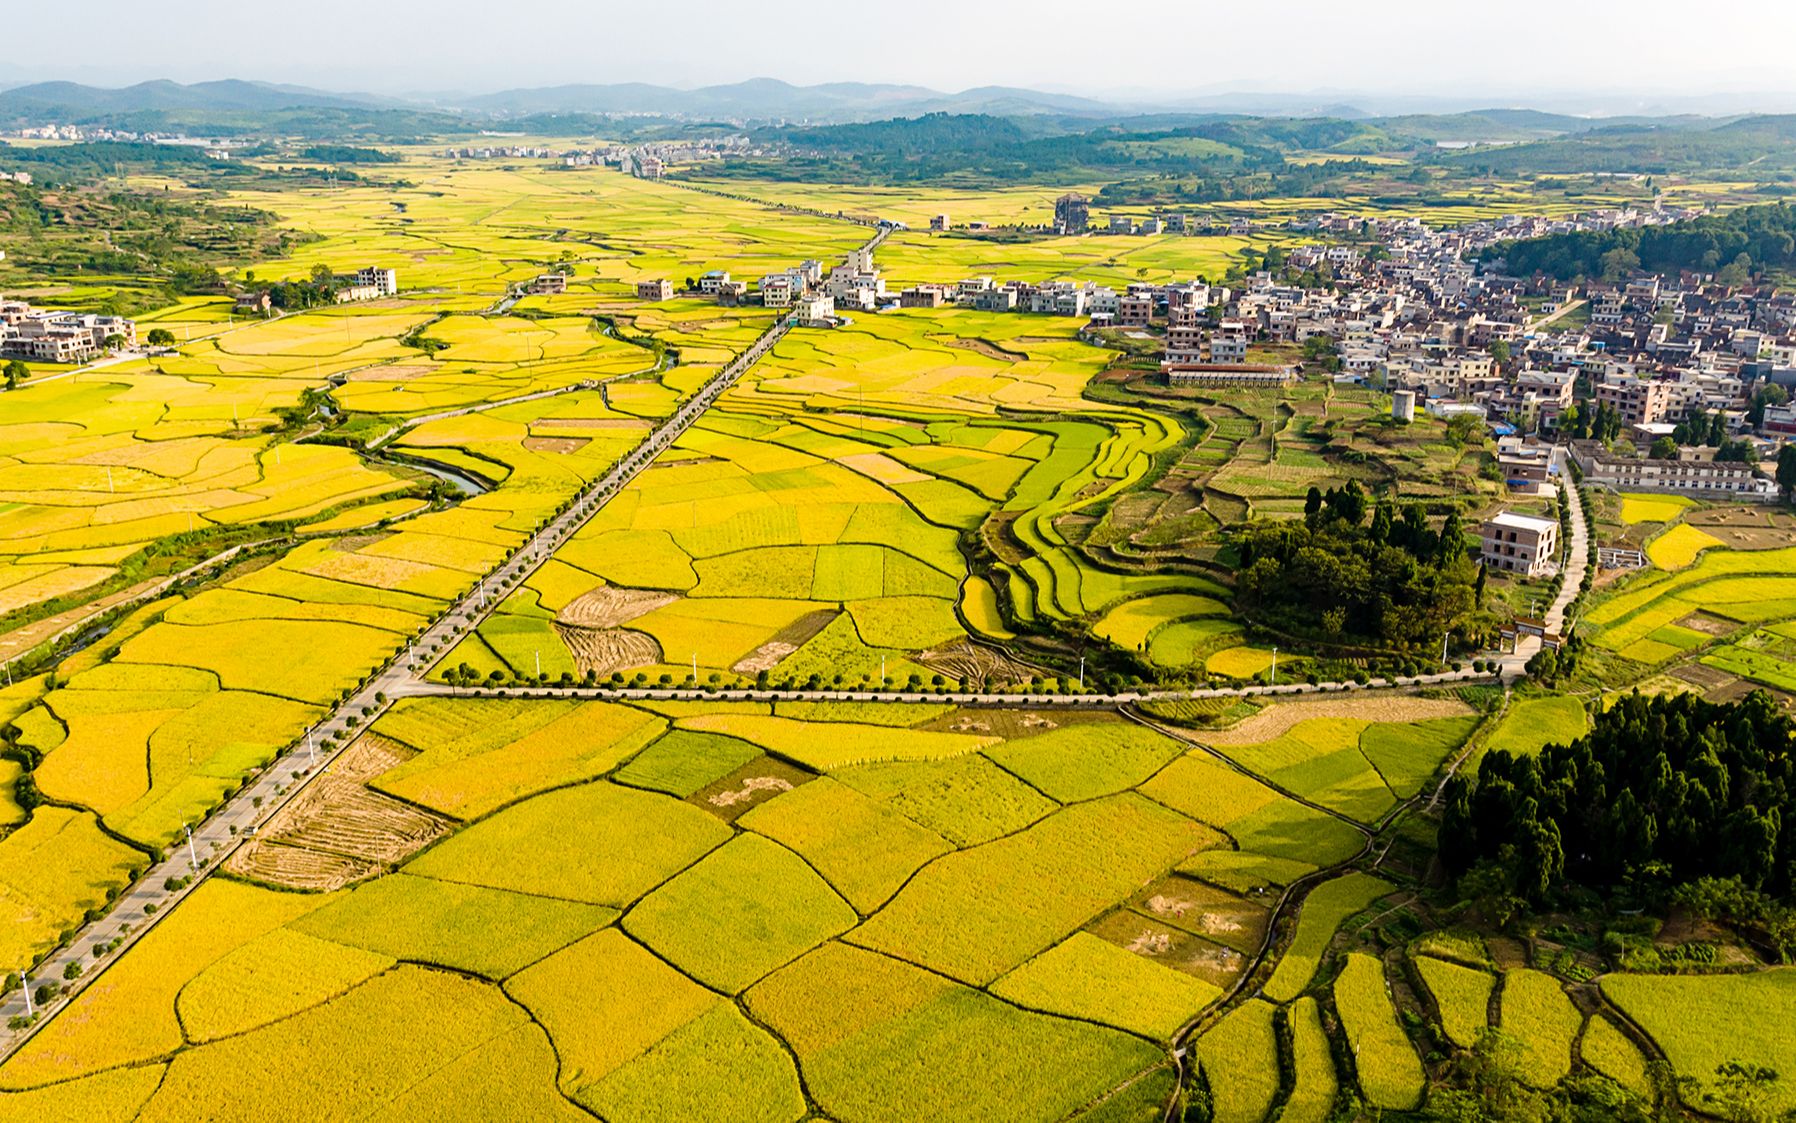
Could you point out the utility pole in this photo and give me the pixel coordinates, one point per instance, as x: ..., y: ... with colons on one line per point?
x: 192, y: 858
x: 25, y: 986
x: 1081, y: 672
x: 695, y: 668
x: 1275, y: 664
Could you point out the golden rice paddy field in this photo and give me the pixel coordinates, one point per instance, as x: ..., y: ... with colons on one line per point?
x: 518, y: 907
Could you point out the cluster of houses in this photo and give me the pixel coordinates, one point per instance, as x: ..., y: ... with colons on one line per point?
x: 646, y: 161
x: 48, y: 335
x: 369, y: 283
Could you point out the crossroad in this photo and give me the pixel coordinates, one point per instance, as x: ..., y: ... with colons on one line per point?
x: 169, y: 881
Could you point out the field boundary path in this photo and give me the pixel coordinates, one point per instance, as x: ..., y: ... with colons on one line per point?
x: 150, y: 898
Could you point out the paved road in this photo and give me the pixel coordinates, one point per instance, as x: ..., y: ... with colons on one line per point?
x: 419, y: 688
x: 1577, y: 555
x: 150, y: 899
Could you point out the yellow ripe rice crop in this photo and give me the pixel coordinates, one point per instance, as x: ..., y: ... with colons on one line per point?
x: 271, y: 977
x: 1095, y: 980
x: 744, y: 910
x: 841, y: 743
x: 129, y: 1013
x: 605, y: 1001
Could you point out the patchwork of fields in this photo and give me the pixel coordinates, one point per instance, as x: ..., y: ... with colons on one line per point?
x: 524, y: 906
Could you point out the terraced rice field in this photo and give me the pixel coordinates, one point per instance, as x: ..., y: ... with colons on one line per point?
x: 557, y: 908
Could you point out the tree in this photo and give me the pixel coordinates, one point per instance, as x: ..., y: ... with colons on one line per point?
x: 1500, y: 353
x: 1770, y: 394
x: 161, y: 337
x: 16, y: 372
x: 1664, y: 449
x: 1618, y: 263
x: 1786, y: 470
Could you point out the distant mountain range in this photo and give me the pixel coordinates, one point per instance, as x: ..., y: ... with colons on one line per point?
x: 765, y: 101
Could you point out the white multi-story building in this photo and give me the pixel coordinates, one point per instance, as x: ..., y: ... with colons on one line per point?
x: 385, y: 282
x: 1524, y: 544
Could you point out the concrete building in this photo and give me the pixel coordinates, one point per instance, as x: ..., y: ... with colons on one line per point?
x: 712, y: 282
x: 814, y: 311
x: 1228, y: 349
x: 777, y: 290
x: 50, y: 336
x: 940, y: 222
x: 1136, y: 310
x: 549, y: 284
x: 923, y: 296
x: 1704, y: 478
x: 660, y: 289
x: 1637, y: 400
x: 385, y: 282
x: 1184, y: 345
x: 1524, y: 544
x: 1072, y: 213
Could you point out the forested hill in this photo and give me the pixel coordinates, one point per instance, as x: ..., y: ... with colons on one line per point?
x: 1662, y: 792
x: 1747, y: 241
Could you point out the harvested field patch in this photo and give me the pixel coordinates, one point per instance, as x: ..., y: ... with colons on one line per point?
x: 562, y: 445
x: 606, y: 651
x: 784, y: 642
x: 338, y: 830
x: 1706, y: 624
x: 1203, y: 910
x: 974, y: 665
x: 610, y: 606
x: 1276, y: 720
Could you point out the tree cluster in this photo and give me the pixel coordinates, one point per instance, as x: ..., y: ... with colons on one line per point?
x: 1661, y: 792
x: 1394, y: 579
x: 1747, y: 241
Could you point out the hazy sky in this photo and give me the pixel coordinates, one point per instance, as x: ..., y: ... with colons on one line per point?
x: 1515, y: 48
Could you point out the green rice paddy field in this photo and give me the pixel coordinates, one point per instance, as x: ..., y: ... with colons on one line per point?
x: 560, y: 908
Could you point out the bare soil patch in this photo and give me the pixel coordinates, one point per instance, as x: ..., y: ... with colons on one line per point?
x: 1707, y: 625
x: 339, y: 830
x: 749, y: 786
x: 787, y: 640
x: 556, y: 444
x: 1276, y: 720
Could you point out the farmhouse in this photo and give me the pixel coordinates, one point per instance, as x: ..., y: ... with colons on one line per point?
x: 52, y: 336
x: 660, y: 289
x: 1523, y: 544
x: 549, y: 284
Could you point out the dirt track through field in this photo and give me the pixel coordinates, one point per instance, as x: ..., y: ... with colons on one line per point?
x: 1278, y: 719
